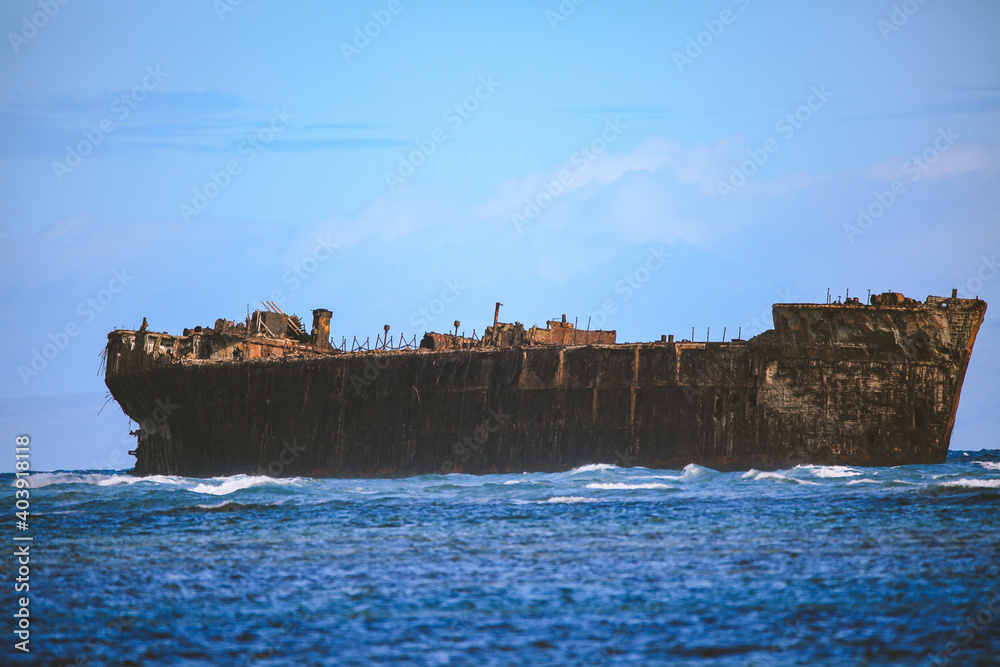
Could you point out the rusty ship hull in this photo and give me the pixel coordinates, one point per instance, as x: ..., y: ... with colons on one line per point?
x: 851, y: 384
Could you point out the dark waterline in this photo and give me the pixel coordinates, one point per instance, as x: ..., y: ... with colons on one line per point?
x: 601, y: 565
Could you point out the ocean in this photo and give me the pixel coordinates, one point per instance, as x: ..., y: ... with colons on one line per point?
x: 596, y: 566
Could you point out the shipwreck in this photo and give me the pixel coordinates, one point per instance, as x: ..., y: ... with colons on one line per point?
x: 874, y: 384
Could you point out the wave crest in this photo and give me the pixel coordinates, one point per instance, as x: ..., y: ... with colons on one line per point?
x: 623, y: 485
x: 591, y: 467
x: 215, y: 486
x: 39, y: 480
x: 758, y: 475
x: 967, y: 483
x: 831, y: 471
x: 239, y: 482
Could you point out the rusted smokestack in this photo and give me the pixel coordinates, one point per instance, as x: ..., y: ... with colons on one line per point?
x: 954, y: 295
x: 321, y: 328
x: 495, y: 338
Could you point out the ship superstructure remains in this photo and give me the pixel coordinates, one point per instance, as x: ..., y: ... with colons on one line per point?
x: 831, y: 384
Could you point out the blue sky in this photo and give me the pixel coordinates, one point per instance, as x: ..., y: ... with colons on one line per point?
x: 182, y: 160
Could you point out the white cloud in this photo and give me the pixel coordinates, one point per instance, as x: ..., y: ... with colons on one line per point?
x: 74, y: 225
x: 959, y: 158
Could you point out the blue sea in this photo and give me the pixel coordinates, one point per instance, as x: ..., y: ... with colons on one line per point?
x: 601, y: 565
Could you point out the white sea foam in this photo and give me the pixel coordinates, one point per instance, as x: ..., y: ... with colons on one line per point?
x: 116, y: 480
x: 887, y: 482
x: 622, y: 485
x: 591, y: 467
x: 973, y: 483
x: 776, y: 476
x: 570, y: 499
x: 831, y: 471
x: 989, y: 465
x: 236, y: 483
x: 42, y: 479
x: 691, y: 471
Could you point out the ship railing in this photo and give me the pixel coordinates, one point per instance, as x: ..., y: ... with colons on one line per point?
x: 381, y: 343
x: 393, y: 342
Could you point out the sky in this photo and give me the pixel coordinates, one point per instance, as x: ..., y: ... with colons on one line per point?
x: 411, y: 164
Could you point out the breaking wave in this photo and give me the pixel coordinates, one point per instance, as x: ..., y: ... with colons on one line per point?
x: 42, y: 479
x: 236, y: 483
x: 691, y: 471
x: 773, y: 476
x: 215, y: 486
x: 973, y: 483
x: 591, y: 467
x: 594, y: 482
x: 623, y: 485
x: 115, y: 480
x: 831, y: 472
